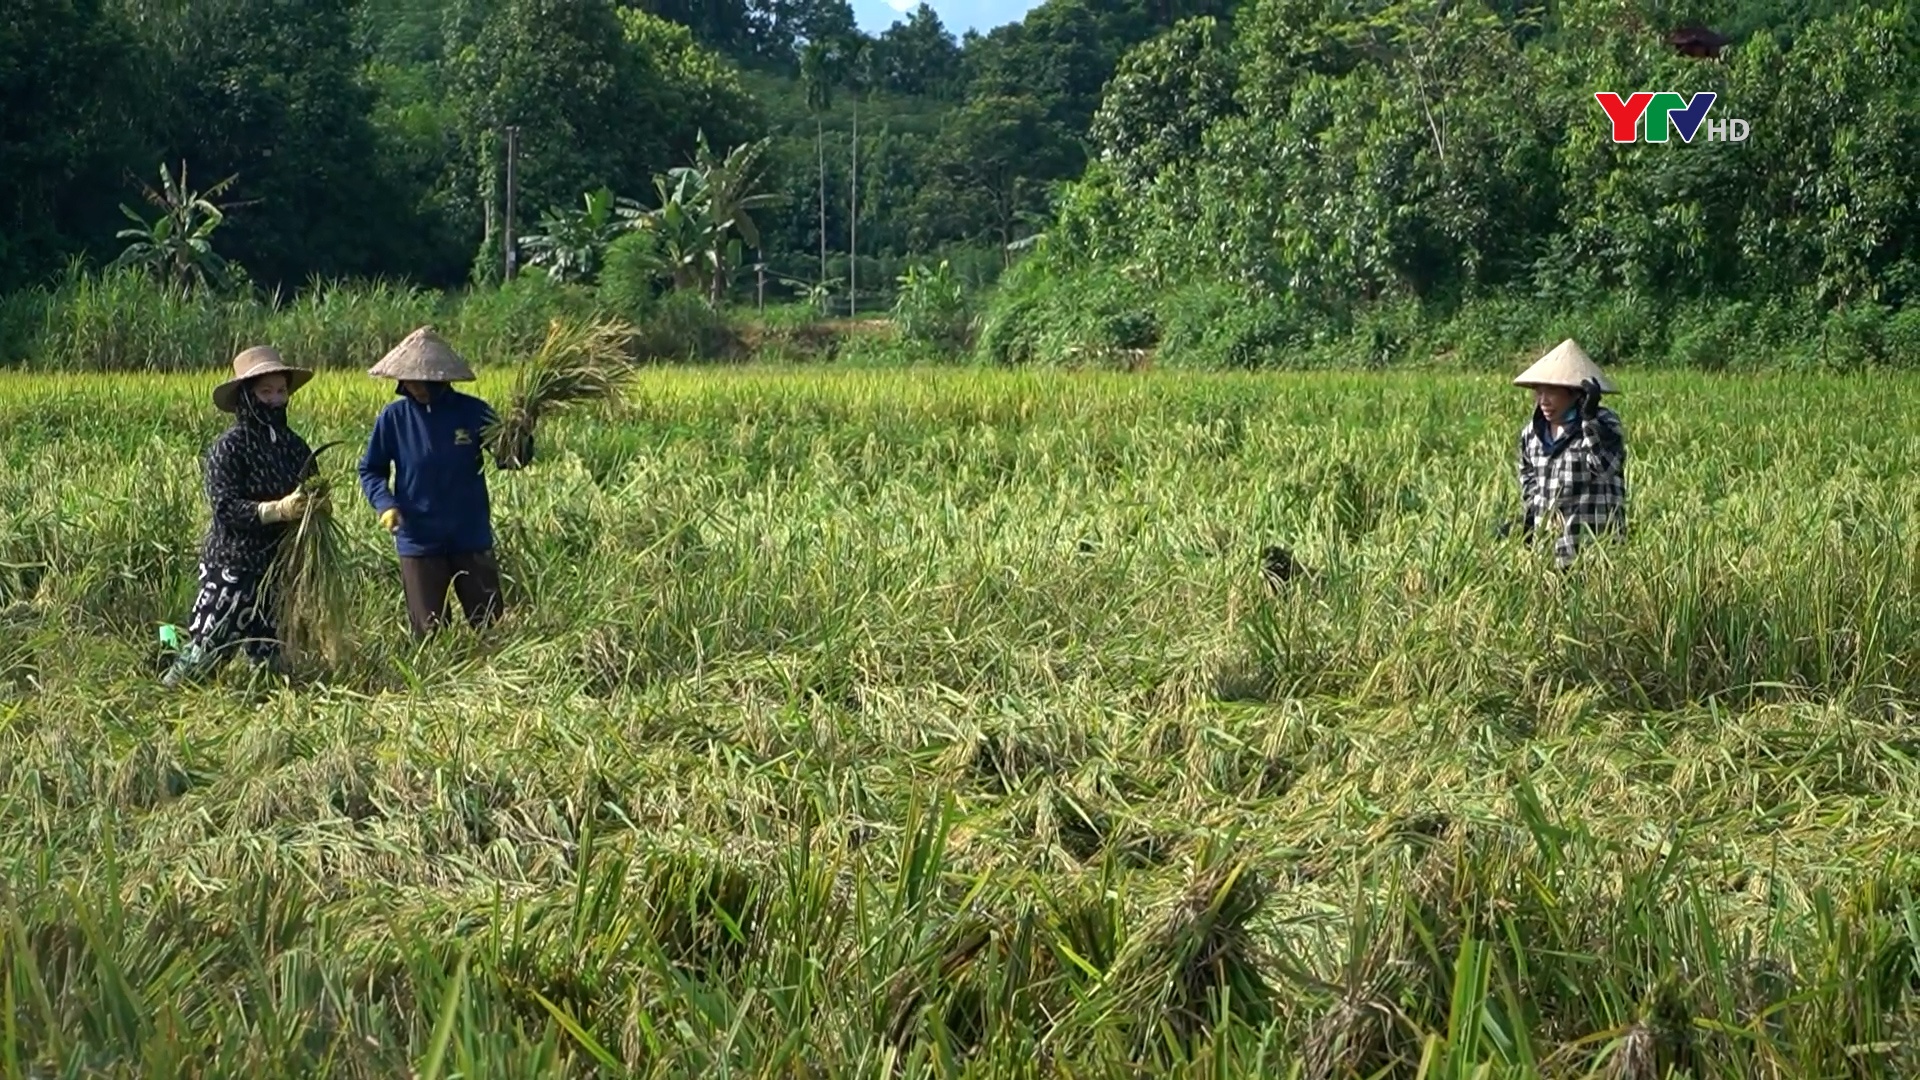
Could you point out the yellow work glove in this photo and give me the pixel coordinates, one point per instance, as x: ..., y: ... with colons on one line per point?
x: 287, y: 509
x: 390, y: 519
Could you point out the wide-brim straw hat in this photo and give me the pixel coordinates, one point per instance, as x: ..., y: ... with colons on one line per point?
x: 253, y: 363
x: 1568, y: 365
x: 423, y: 357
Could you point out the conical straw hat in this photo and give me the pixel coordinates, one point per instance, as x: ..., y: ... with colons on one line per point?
x: 1567, y: 365
x: 424, y: 357
x: 251, y: 363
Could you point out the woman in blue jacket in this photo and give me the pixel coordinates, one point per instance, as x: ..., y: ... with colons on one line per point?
x: 423, y: 474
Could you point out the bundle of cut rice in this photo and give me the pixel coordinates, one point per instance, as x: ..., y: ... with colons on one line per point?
x: 578, y: 363
x: 308, y: 578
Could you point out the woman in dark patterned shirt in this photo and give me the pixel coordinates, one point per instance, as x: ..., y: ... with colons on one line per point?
x: 252, y: 473
x: 1573, y: 453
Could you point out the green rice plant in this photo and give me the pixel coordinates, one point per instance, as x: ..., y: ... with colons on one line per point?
x: 944, y: 723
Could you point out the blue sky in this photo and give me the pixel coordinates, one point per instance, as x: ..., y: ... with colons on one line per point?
x: 958, y: 15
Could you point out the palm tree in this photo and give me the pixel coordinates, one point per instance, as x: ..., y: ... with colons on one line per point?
x: 816, y: 74
x: 855, y: 69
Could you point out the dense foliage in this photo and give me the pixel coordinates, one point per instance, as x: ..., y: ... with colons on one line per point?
x: 1339, y: 167
x: 1215, y: 184
x: 366, y: 136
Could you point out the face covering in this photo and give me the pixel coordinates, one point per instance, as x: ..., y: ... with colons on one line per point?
x: 252, y: 409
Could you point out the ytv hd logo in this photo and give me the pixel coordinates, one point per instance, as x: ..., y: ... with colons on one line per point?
x: 1665, y: 109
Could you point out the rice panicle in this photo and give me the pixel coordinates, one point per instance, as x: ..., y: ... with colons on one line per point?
x: 577, y: 364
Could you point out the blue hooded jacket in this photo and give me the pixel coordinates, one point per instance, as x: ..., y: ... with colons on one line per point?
x: 434, y: 455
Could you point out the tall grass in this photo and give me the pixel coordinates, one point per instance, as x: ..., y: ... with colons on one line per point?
x: 864, y: 724
x: 1108, y: 317
x: 122, y: 321
x: 1035, y: 316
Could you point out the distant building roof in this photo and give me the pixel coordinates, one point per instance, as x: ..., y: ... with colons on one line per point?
x: 1698, y: 41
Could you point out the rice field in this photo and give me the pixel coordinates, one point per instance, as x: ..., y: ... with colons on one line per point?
x: 943, y: 724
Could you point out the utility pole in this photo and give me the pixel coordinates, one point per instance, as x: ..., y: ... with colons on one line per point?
x: 853, y: 217
x: 513, y: 146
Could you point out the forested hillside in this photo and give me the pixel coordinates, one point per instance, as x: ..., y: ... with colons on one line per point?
x: 1214, y: 182
x: 365, y: 137
x: 1322, y: 169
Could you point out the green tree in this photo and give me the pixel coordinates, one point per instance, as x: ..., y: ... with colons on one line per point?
x: 71, y: 126
x: 1836, y: 207
x: 563, y: 73
x: 724, y: 25
x: 1164, y: 97
x: 602, y: 97
x: 275, y: 92
x: 918, y: 56
x: 694, y: 88
x: 993, y: 162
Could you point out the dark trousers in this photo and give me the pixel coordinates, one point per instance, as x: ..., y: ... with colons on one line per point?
x: 474, y: 577
x: 232, y: 612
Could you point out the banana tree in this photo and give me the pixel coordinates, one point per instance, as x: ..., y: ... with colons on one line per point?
x: 571, y: 242
x: 726, y: 189
x: 702, y: 207
x: 177, y: 246
x: 680, y: 225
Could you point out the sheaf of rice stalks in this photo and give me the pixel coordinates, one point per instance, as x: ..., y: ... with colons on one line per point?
x: 309, y: 580
x: 577, y: 364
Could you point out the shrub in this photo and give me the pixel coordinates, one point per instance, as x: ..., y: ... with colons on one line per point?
x: 630, y: 284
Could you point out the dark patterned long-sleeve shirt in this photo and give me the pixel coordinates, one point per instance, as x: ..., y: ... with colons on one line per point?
x: 1577, y: 484
x: 258, y: 459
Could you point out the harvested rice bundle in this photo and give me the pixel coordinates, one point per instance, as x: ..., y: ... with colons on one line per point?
x: 577, y: 363
x: 309, y: 575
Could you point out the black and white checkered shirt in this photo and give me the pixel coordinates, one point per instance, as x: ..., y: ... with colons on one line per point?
x: 1577, y: 485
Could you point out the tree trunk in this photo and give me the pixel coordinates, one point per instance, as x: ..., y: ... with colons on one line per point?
x: 1006, y: 200
x: 820, y: 146
x: 853, y: 221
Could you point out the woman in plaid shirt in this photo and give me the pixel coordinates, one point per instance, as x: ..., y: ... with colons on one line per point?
x: 1573, y: 453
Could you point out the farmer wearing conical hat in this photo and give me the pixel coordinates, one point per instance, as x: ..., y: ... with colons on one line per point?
x: 252, y: 474
x: 1573, y: 453
x: 422, y: 471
